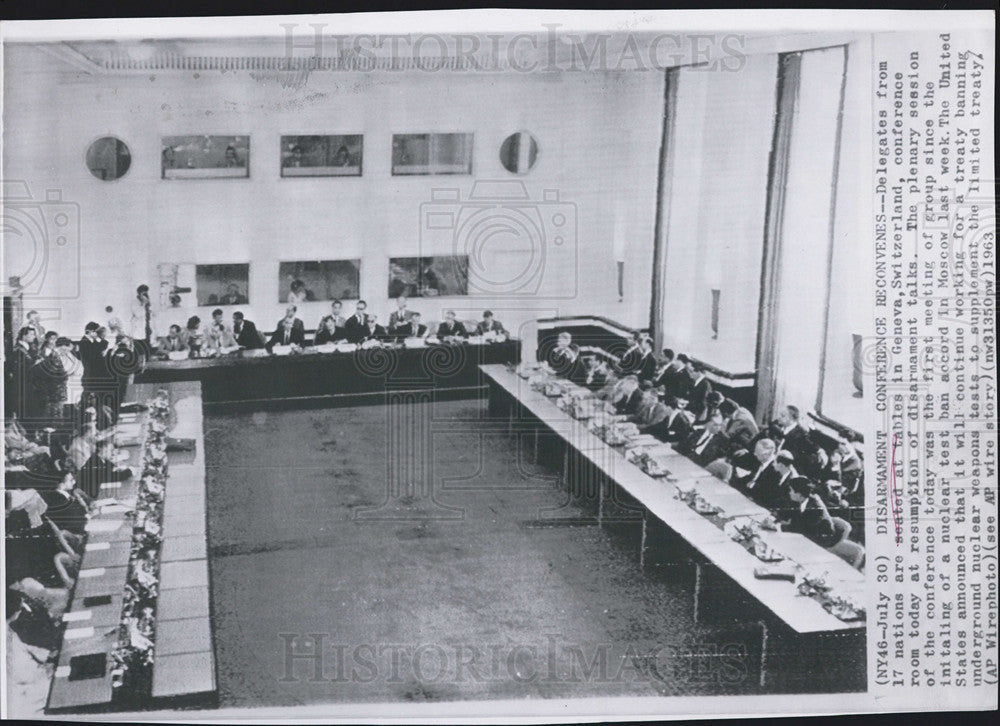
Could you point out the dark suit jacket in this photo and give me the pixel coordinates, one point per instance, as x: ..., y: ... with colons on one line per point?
x: 771, y: 492
x: 669, y: 431
x: 630, y: 406
x: 354, y: 331
x: 672, y: 379
x: 446, y: 329
x: 647, y: 366
x: 406, y: 330
x: 494, y: 327
x: 95, y: 367
x: 696, y: 393
x: 296, y: 335
x: 747, y: 461
x: 376, y: 333
x: 248, y: 336
x: 813, y: 521
x: 630, y: 361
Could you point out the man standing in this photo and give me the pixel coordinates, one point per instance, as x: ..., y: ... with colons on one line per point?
x: 143, y: 319
x: 96, y: 376
x: 698, y: 386
x: 337, y: 313
x: 34, y: 322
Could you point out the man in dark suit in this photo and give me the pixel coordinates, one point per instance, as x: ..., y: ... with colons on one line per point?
x: 676, y: 426
x: 451, y: 328
x: 706, y: 446
x: 807, y: 514
x: 489, y: 324
x: 66, y: 505
x: 17, y: 374
x: 246, y: 333
x: 698, y: 386
x: 290, y: 331
x: 374, y: 331
x: 355, y: 326
x: 630, y: 360
x: 412, y: 328
x: 770, y: 488
x: 749, y: 465
x: 647, y: 362
x: 92, y: 350
x: 668, y: 373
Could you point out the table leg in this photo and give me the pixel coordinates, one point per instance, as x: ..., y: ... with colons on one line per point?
x: 697, y: 588
x: 642, y: 542
x: 763, y: 653
x: 565, y: 469
x: 600, y: 500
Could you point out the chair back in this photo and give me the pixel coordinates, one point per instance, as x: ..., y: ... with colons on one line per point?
x: 842, y: 527
x: 850, y: 552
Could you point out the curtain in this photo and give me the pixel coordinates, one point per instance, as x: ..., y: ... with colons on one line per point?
x: 798, y: 248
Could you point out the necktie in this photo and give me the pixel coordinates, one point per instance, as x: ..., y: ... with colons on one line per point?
x: 149, y: 329
x: 286, y: 336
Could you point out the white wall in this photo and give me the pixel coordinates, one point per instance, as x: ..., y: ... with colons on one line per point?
x: 598, y: 135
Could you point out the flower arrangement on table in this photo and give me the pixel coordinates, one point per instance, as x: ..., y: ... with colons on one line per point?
x: 132, y: 657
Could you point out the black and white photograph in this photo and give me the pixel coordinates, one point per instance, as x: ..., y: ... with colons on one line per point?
x: 205, y: 157
x: 646, y: 371
x: 321, y: 155
x: 429, y: 154
x: 311, y: 280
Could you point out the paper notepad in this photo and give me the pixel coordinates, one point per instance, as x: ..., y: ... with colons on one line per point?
x: 103, y: 525
x: 77, y: 616
x: 78, y: 633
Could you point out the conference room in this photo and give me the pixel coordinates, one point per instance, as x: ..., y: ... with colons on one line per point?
x: 344, y: 371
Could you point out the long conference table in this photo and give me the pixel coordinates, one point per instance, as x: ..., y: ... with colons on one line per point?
x: 530, y: 412
x: 184, y: 656
x: 350, y: 377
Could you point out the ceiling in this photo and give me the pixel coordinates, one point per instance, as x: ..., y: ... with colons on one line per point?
x: 300, y: 49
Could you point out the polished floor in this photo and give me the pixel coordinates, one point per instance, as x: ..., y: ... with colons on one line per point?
x: 494, y: 587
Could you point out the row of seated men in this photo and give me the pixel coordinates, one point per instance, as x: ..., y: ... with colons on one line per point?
x: 54, y: 477
x: 359, y: 327
x: 782, y: 465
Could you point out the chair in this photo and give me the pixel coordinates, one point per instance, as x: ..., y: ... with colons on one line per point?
x: 850, y: 552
